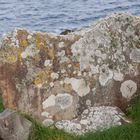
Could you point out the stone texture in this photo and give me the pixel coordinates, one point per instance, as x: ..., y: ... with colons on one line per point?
x: 13, y: 126
x: 94, y: 118
x: 57, y: 77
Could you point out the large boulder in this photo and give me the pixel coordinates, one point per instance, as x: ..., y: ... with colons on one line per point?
x: 57, y: 77
x: 13, y: 126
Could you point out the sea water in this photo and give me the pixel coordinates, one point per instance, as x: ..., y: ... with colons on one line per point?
x: 57, y: 15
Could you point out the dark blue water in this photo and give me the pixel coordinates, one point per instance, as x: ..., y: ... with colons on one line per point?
x: 57, y: 15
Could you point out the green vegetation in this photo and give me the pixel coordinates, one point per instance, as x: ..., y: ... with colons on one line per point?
x: 1, y: 105
x: 125, y: 132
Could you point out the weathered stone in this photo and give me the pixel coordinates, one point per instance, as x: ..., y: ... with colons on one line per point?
x: 57, y: 77
x: 92, y: 119
x: 13, y: 126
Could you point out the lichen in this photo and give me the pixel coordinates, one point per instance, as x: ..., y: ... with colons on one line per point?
x: 128, y: 88
x: 30, y: 51
x: 22, y: 38
x: 79, y: 86
x: 41, y: 77
x: 54, y: 75
x: 50, y: 101
x: 105, y: 75
x: 135, y: 55
x: 40, y: 40
x: 93, y: 119
x: 62, y: 100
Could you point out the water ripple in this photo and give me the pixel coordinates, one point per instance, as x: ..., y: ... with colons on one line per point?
x: 58, y: 15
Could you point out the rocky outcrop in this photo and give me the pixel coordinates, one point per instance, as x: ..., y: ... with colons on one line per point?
x: 56, y: 78
x: 13, y: 126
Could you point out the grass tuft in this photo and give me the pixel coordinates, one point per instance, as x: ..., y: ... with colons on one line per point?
x: 41, y: 132
x: 1, y: 105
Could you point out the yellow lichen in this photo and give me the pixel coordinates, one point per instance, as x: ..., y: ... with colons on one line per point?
x: 8, y: 58
x: 40, y: 40
x: 11, y: 59
x: 20, y: 54
x: 38, y: 81
x: 41, y: 77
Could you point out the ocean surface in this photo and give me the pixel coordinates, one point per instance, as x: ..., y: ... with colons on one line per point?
x: 57, y: 15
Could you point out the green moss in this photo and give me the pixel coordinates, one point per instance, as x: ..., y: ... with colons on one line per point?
x: 125, y: 132
x: 1, y: 105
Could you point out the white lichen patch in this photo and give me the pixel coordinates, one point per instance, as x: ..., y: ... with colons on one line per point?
x: 61, y: 53
x: 54, y: 75
x: 48, y: 122
x: 84, y: 122
x: 94, y: 69
x: 51, y: 84
x: 61, y: 45
x: 50, y: 101
x: 128, y: 88
x: 39, y: 85
x: 88, y: 102
x: 24, y: 55
x: 99, y: 54
x: 79, y: 73
x: 47, y: 63
x: 118, y: 76
x: 135, y: 55
x: 45, y: 114
x: 61, y: 82
x: 74, y: 72
x: 63, y: 71
x: 64, y: 59
x: 30, y: 51
x: 133, y: 70
x: 29, y: 37
x: 105, y: 75
x: 69, y: 66
x: 64, y: 101
x: 78, y: 85
x: 96, y: 118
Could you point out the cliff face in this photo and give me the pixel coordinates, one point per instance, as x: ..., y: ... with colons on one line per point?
x: 57, y: 78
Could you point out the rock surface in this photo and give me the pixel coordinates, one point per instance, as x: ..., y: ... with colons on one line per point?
x: 13, y: 126
x: 92, y: 119
x: 56, y: 78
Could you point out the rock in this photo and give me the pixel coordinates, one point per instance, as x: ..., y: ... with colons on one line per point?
x: 67, y: 31
x: 92, y: 119
x: 13, y: 126
x: 56, y: 78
